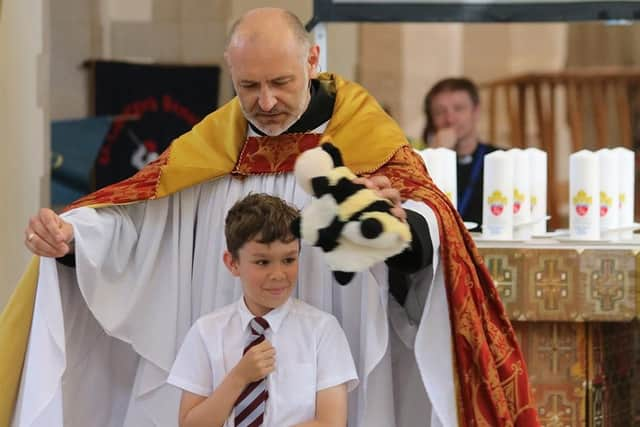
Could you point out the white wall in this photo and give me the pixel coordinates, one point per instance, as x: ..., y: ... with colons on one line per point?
x: 163, y: 31
x: 75, y: 38
x: 433, y: 51
x: 24, y: 129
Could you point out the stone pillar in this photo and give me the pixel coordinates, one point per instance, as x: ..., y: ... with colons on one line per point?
x: 399, y: 62
x: 24, y: 121
x: 431, y: 52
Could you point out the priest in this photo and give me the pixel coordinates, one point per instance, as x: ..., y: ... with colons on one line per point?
x: 93, y: 327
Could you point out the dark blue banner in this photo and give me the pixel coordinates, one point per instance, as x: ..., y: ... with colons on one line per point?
x: 153, y: 104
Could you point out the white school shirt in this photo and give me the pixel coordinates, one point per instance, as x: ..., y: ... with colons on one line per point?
x: 312, y: 354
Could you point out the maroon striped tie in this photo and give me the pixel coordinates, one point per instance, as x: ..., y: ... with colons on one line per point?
x: 250, y: 406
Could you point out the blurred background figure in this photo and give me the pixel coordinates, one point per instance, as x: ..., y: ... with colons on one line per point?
x: 452, y: 109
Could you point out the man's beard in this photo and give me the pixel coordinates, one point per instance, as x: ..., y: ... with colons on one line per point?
x: 273, y: 132
x: 304, y: 104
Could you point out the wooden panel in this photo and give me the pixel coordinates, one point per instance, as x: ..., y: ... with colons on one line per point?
x: 556, y: 359
x: 583, y: 374
x: 623, y: 107
x: 575, y: 105
x: 614, y: 374
x: 493, y: 117
x: 610, y: 282
x: 575, y: 285
x: 599, y: 106
x: 513, y: 112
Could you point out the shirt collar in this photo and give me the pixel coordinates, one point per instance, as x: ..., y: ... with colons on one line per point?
x: 274, y: 317
x: 470, y: 158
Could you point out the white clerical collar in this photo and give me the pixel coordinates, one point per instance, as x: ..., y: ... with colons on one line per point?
x: 274, y: 317
x: 465, y: 160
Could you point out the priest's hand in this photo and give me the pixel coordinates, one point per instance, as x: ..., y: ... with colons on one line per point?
x: 48, y: 235
x: 382, y: 186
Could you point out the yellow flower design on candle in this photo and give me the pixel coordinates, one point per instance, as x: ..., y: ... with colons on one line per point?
x: 518, y: 198
x: 605, y: 203
x: 582, y: 201
x: 497, y: 202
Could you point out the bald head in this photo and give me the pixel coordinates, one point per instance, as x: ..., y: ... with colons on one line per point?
x: 268, y: 27
x: 271, y: 61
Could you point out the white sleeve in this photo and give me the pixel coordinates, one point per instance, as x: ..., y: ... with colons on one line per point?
x: 335, y: 362
x: 191, y: 370
x: 428, y: 306
x: 133, y: 274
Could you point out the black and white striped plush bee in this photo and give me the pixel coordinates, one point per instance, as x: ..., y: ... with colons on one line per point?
x: 352, y: 225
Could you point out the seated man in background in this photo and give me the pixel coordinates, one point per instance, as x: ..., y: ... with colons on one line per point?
x: 452, y: 107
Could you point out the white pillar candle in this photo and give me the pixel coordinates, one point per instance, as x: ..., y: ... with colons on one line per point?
x: 584, y: 192
x: 497, y: 207
x: 609, y: 193
x: 441, y: 165
x: 626, y: 185
x: 521, y: 194
x: 538, y: 189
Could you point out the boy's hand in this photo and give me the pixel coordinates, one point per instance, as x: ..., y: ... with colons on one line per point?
x: 258, y: 362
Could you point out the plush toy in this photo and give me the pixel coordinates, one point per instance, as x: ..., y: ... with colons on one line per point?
x: 350, y: 223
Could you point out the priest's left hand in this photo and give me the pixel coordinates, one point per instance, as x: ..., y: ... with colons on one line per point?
x: 382, y: 186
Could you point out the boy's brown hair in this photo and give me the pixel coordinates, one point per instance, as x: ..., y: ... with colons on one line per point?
x: 258, y: 216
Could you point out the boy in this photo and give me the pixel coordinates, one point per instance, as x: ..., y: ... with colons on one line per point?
x: 267, y: 359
